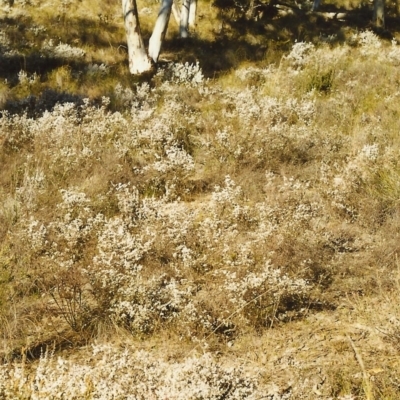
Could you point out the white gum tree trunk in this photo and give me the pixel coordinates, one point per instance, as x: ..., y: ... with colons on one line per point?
x: 192, y: 13
x: 184, y: 24
x: 188, y: 17
x: 139, y: 61
x: 160, y: 29
x: 378, y: 17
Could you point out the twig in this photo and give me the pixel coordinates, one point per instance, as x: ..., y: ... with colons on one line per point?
x: 367, y: 383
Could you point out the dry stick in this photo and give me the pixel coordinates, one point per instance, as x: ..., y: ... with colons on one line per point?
x: 368, y: 389
x: 233, y: 314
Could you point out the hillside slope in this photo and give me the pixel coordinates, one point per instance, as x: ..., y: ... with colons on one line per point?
x: 185, y: 235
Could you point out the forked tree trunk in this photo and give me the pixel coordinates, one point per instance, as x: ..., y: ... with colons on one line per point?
x: 378, y: 18
x: 139, y: 61
x: 160, y: 29
x: 188, y: 17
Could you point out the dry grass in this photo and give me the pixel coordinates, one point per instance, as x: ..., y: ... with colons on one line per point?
x: 229, y: 227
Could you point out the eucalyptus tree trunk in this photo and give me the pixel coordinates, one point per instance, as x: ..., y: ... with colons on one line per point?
x: 138, y: 59
x: 378, y: 18
x: 184, y: 23
x: 160, y: 29
x: 188, y: 17
x: 192, y: 13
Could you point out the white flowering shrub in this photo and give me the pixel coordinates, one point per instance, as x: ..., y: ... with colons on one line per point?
x: 142, y: 100
x: 98, y: 69
x: 111, y: 373
x: 186, y: 74
x: 394, y: 54
x: 133, y: 250
x: 32, y: 185
x: 265, y: 295
x: 190, y: 212
x: 15, y: 131
x: 176, y: 159
x: 369, y: 42
x: 25, y: 80
x: 37, y: 29
x: 253, y: 75
x: 62, y: 50
x: 300, y: 54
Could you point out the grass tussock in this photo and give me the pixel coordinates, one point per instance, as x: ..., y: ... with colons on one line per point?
x: 188, y: 235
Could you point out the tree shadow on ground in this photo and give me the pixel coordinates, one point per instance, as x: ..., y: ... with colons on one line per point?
x: 25, y: 48
x: 33, y: 106
x: 232, y: 40
x: 11, y: 65
x: 269, y: 38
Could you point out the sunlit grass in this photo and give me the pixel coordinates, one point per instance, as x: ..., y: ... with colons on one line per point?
x: 233, y: 215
